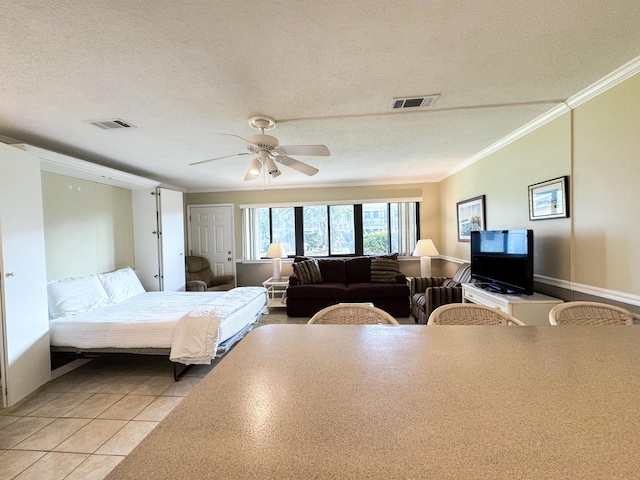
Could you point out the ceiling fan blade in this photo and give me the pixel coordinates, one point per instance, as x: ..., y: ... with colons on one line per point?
x: 315, y: 150
x: 254, y: 170
x: 237, y: 136
x: 218, y: 158
x: 296, y: 165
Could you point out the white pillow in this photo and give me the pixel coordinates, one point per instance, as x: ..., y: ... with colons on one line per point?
x: 121, y: 284
x: 75, y: 295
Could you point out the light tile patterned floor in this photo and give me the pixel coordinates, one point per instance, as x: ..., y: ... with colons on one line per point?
x: 82, y: 424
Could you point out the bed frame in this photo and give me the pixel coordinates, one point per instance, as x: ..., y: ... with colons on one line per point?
x: 63, y: 355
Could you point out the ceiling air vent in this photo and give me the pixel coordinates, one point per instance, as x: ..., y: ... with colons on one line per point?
x: 424, y: 101
x: 111, y: 123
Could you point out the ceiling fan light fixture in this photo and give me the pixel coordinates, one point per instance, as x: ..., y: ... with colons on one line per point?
x: 269, y: 153
x: 254, y: 168
x: 272, y: 167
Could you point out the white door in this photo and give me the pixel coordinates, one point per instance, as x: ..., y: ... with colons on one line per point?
x: 171, y: 224
x: 23, y: 280
x: 211, y: 235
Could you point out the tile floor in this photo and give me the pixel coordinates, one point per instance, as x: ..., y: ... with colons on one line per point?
x: 82, y: 424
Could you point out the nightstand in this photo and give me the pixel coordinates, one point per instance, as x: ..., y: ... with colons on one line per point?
x: 277, y: 291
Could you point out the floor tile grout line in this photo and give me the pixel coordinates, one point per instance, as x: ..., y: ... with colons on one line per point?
x: 80, y: 381
x: 61, y: 442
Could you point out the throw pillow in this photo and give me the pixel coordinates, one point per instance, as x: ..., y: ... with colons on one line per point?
x: 450, y: 283
x: 332, y: 270
x: 384, y: 270
x: 307, y: 272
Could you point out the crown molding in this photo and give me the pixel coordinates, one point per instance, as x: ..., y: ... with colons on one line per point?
x: 611, y: 80
x: 619, y: 75
x: 536, y: 123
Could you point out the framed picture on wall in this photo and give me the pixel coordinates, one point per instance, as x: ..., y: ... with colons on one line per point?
x: 548, y: 199
x: 471, y: 217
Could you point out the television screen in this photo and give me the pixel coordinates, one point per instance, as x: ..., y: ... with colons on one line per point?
x: 502, y: 260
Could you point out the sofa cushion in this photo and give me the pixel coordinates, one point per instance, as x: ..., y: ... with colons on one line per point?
x: 450, y: 283
x: 333, y: 270
x: 358, y: 270
x: 337, y: 291
x: 307, y: 271
x: 371, y: 291
x: 384, y: 270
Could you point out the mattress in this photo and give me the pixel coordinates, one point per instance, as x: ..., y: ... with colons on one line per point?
x: 148, y: 320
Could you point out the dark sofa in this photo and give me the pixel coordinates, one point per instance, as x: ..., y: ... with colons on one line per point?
x: 347, y: 280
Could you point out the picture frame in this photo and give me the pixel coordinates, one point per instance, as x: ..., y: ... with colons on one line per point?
x: 549, y: 199
x: 471, y: 216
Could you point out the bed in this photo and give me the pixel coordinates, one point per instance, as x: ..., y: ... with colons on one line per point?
x: 112, y: 313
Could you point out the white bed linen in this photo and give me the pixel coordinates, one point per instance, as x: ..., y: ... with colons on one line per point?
x: 148, y: 320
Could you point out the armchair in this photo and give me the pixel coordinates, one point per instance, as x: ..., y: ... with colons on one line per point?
x: 428, y: 293
x: 200, y: 278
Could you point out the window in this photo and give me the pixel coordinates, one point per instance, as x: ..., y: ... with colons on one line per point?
x: 283, y: 228
x: 342, y: 229
x: 375, y: 229
x: 275, y: 225
x: 332, y: 230
x: 315, y: 231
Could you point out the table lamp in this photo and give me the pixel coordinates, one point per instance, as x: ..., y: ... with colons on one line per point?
x: 425, y: 249
x: 276, y: 252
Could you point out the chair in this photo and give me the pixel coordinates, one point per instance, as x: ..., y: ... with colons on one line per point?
x: 200, y: 278
x: 352, y: 314
x: 428, y: 293
x: 470, y: 314
x: 589, y: 313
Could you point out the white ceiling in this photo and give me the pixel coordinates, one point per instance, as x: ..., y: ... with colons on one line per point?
x: 184, y: 71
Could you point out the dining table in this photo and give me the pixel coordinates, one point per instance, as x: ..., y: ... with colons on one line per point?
x: 408, y: 402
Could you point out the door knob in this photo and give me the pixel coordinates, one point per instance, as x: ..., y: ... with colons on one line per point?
x: 229, y: 259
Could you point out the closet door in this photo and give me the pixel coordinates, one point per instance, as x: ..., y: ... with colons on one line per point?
x: 158, y: 235
x: 145, y: 238
x: 23, y: 281
x: 171, y: 224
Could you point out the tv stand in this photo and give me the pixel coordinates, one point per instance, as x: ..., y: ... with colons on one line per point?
x: 494, y: 288
x: 530, y: 309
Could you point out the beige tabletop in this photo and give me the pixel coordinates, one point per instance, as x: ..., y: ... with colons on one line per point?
x: 412, y: 402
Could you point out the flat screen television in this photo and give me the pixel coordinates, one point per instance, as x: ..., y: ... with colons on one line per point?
x: 502, y: 260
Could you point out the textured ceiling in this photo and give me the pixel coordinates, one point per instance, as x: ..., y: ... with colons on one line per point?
x: 182, y: 72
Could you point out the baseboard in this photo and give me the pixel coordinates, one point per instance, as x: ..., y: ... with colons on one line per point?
x: 604, y: 293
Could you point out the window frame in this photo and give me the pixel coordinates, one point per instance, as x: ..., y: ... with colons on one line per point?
x: 358, y: 218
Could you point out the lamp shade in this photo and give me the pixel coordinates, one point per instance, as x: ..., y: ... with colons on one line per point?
x: 276, y: 250
x: 425, y: 248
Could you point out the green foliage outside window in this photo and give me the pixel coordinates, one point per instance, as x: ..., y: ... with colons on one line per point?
x: 376, y: 243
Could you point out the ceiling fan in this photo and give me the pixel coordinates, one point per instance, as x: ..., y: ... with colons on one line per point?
x: 268, y: 151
